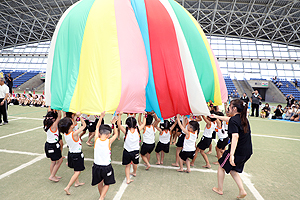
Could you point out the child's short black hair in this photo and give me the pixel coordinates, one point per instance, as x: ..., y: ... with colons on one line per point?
x: 104, y: 129
x: 194, y: 125
x: 64, y: 125
x: 219, y: 114
x: 50, y: 118
x: 69, y: 114
x: 166, y: 125
x: 149, y: 119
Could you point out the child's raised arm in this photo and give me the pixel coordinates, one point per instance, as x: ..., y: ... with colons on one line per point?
x: 181, y: 126
x: 144, y: 123
x: 119, y: 123
x: 97, y: 134
x: 58, y: 118
x: 205, y: 119
x: 83, y: 125
x: 173, y: 126
x: 157, y: 128
x: 157, y: 120
x: 223, y: 118
x: 115, y: 130
x: 140, y: 119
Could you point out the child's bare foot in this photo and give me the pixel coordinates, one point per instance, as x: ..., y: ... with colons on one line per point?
x: 217, y: 191
x: 89, y: 144
x: 158, y: 163
x: 63, y: 157
x: 209, y: 152
x: 175, y: 165
x: 161, y: 163
x: 129, y: 181
x: 133, y: 174
x: 58, y: 177
x: 242, y: 195
x: 206, y: 166
x: 192, y: 164
x: 148, y: 167
x: 215, y: 163
x: 78, y: 184
x: 54, y: 179
x: 67, y: 191
x: 179, y: 170
x: 118, y: 138
x: 67, y: 163
x: 187, y: 171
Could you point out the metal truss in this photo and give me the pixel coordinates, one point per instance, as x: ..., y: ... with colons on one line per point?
x: 30, y: 21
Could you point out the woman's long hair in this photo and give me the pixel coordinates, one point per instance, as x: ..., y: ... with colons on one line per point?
x: 242, y: 108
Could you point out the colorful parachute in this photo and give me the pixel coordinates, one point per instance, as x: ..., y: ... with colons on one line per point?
x: 131, y: 56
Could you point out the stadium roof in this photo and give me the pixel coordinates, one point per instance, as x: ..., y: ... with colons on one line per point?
x: 30, y: 21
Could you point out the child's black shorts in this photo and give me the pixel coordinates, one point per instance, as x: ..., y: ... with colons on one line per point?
x: 162, y: 147
x: 130, y: 156
x: 100, y: 172
x: 204, y: 143
x: 53, y: 151
x: 180, y: 140
x: 147, y: 148
x: 222, y: 143
x: 87, y: 124
x: 177, y: 127
x: 92, y: 126
x: 186, y: 154
x: 239, y: 161
x: 76, y: 161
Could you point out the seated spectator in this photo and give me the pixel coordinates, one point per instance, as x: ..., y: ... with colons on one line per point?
x: 296, y: 112
x: 288, y: 113
x: 16, y: 100
x: 278, y: 112
x: 22, y: 99
x: 265, y: 112
x: 279, y: 84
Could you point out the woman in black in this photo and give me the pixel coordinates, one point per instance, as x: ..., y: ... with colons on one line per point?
x: 240, y: 148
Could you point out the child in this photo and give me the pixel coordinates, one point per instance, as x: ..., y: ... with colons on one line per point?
x: 179, y: 144
x: 163, y: 145
x: 131, y: 145
x: 205, y: 140
x: 188, y: 150
x: 52, y: 146
x: 173, y: 132
x: 221, y: 129
x: 102, y: 171
x: 75, y: 155
x: 148, y: 137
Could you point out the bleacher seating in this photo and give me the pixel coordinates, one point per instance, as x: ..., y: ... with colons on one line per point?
x: 22, y: 79
x: 288, y: 90
x: 230, y: 86
x: 258, y: 79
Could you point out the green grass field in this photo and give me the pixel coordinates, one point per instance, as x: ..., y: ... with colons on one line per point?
x: 271, y: 173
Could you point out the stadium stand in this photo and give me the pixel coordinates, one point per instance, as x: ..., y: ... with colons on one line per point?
x: 230, y: 86
x: 22, y: 79
x: 288, y: 88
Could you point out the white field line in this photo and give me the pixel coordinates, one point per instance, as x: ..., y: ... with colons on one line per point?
x: 17, y: 118
x: 124, y: 184
x: 244, y: 177
x: 40, y: 157
x: 5, y: 136
x: 277, y: 137
x: 22, y: 166
x: 20, y: 152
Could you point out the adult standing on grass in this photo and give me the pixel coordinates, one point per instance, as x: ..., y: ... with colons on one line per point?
x: 4, y: 90
x: 255, y: 99
x: 9, y: 82
x: 240, y: 148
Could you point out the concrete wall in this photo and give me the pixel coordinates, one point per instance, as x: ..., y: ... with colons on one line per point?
x: 273, y: 94
x: 31, y: 84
